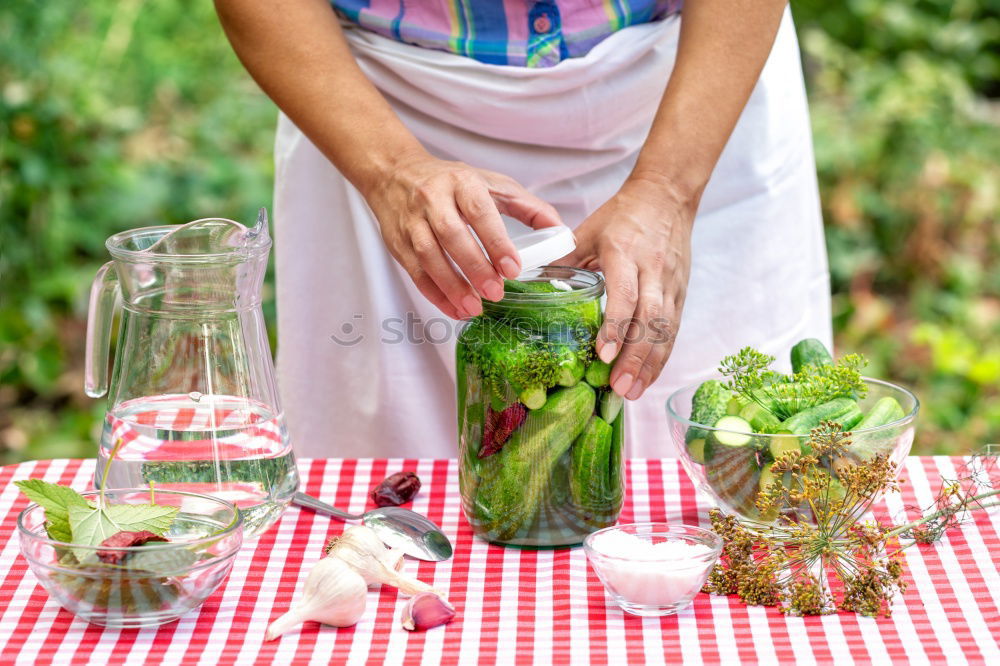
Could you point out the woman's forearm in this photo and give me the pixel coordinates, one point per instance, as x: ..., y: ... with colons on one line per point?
x: 296, y: 51
x: 723, y: 47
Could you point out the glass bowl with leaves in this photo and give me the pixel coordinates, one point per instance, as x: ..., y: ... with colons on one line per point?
x: 127, y: 557
x: 738, y: 437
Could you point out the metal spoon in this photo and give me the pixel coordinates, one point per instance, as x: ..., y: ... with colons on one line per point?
x: 418, y: 536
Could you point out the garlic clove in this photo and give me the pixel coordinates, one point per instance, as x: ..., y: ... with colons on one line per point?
x: 334, y: 594
x: 405, y: 584
x: 425, y: 611
x: 393, y: 559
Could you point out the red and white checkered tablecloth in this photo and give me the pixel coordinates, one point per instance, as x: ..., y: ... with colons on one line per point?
x: 515, y: 606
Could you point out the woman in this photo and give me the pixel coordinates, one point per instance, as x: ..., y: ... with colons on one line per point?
x: 677, y: 145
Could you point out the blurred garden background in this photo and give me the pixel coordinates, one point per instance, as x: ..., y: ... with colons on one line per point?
x: 121, y: 114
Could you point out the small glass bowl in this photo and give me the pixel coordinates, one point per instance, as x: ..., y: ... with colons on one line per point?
x: 176, y: 576
x: 649, y: 584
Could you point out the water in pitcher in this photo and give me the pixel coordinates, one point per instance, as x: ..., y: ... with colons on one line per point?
x: 226, y: 446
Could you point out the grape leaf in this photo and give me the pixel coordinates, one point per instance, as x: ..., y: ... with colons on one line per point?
x: 56, y: 501
x: 91, y: 525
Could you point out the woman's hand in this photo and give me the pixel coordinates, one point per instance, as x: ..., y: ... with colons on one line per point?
x: 641, y: 240
x: 425, y: 208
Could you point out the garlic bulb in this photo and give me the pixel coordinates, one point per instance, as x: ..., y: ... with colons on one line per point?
x: 426, y: 610
x: 360, y: 547
x: 337, y: 587
x: 334, y: 593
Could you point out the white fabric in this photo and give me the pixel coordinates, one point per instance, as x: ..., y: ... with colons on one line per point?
x: 570, y: 134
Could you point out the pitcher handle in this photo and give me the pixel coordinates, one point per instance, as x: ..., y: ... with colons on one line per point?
x: 100, y: 316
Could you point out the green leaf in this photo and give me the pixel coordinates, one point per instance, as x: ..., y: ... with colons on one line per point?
x: 162, y: 560
x: 137, y: 517
x: 91, y: 526
x: 56, y: 501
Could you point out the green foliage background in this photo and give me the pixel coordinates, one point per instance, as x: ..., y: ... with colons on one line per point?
x: 122, y: 114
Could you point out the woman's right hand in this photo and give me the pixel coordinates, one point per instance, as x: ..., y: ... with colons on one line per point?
x: 425, y: 207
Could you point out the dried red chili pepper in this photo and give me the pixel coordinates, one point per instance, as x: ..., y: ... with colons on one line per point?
x: 500, y: 426
x: 396, y: 489
x: 124, y: 540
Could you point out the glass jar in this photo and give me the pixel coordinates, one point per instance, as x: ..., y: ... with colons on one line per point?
x: 540, y: 430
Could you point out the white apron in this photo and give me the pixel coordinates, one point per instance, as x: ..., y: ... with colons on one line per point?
x: 365, y: 363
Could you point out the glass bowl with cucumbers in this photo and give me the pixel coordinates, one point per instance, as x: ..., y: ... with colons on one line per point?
x: 540, y: 430
x: 735, y: 435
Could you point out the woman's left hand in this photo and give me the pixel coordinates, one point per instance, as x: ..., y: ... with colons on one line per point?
x: 641, y: 240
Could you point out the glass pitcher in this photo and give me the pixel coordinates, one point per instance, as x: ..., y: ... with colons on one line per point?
x: 193, y: 403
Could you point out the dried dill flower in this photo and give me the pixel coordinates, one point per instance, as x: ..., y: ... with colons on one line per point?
x: 806, y: 595
x: 747, y: 567
x: 818, y: 536
x: 979, y: 481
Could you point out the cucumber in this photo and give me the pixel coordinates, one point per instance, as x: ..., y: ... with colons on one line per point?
x: 570, y: 372
x: 769, y: 476
x: 471, y: 419
x: 867, y: 445
x: 839, y: 410
x: 528, y: 287
x: 610, y: 405
x: 616, y: 476
x: 837, y: 490
x: 696, y: 449
x: 513, y: 482
x: 735, y: 405
x: 885, y: 411
x: 810, y: 352
x: 733, y: 473
x: 851, y: 419
x: 533, y: 397
x: 598, y: 373
x: 732, y: 431
x: 590, y: 472
x: 760, y: 419
x: 782, y: 443
x: 708, y: 405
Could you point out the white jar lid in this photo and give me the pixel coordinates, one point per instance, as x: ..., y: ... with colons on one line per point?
x: 544, y: 246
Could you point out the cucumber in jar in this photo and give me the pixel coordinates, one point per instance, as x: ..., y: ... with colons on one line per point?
x: 512, y: 482
x: 590, y: 473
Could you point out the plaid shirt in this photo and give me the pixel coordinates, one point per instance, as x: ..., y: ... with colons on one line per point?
x: 521, y: 33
